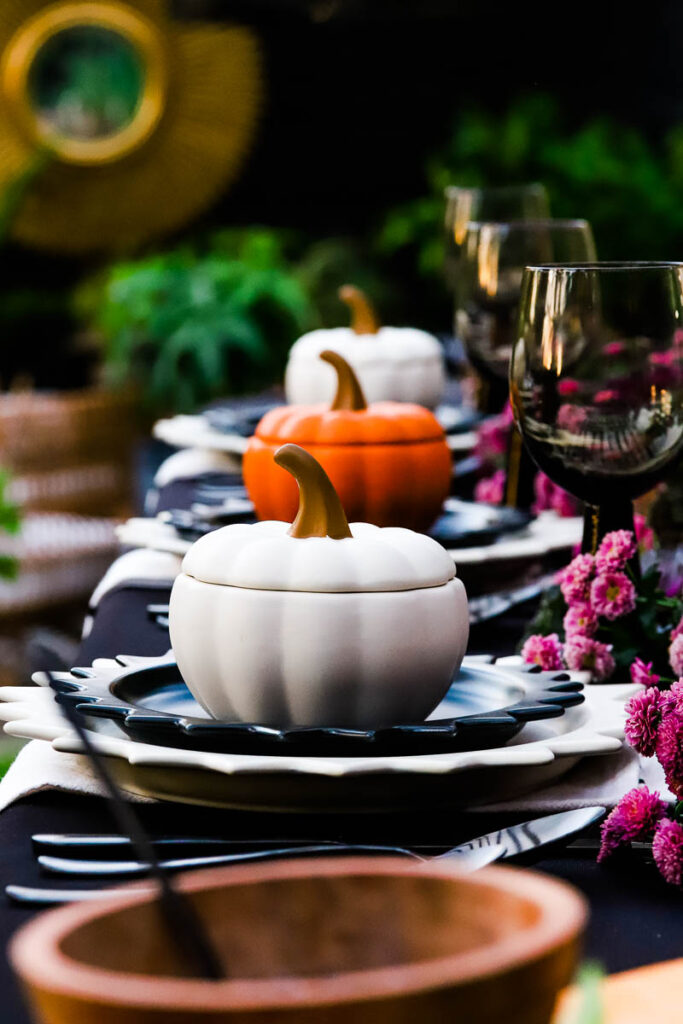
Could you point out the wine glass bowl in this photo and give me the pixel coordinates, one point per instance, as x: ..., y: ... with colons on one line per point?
x: 493, y: 261
x: 491, y: 203
x: 596, y: 378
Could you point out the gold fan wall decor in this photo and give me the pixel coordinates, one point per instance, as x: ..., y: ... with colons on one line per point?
x: 136, y: 121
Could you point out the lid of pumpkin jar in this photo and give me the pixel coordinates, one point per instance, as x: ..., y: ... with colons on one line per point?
x: 319, y: 552
x: 349, y: 420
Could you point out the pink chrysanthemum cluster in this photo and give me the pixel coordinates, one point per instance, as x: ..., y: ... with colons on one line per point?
x: 491, y: 489
x: 654, y: 728
x: 644, y: 816
x: 594, y: 588
x: 493, y: 437
x: 551, y: 497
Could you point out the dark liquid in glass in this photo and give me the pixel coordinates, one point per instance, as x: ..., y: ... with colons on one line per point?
x: 487, y: 330
x: 615, y: 455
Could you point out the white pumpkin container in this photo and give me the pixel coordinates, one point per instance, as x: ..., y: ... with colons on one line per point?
x: 394, y: 364
x: 318, y: 624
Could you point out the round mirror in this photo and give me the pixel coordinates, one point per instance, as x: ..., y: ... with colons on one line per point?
x: 86, y: 80
x: 85, y: 83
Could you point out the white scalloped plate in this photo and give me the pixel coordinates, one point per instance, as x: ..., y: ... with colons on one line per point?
x: 195, y: 432
x: 541, y: 753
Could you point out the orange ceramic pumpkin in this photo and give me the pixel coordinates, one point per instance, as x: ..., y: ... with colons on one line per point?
x: 389, y: 461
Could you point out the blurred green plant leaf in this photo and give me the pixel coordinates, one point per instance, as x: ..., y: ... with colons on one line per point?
x: 590, y: 1008
x: 9, y: 523
x: 200, y: 321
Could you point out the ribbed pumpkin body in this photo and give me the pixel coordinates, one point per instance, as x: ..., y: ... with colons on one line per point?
x: 389, y: 463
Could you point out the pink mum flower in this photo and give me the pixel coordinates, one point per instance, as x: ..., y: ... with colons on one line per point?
x: 491, y: 489
x: 635, y: 817
x: 493, y: 436
x: 676, y: 654
x: 665, y: 359
x: 644, y: 712
x: 543, y: 492
x: 613, y: 595
x: 607, y: 395
x: 616, y: 549
x: 643, y: 674
x: 570, y: 417
x: 564, y: 503
x: 645, y: 535
x: 614, y: 348
x: 675, y: 695
x: 667, y: 850
x: 582, y: 654
x: 677, y: 631
x: 669, y: 750
x: 580, y: 620
x: 568, y: 387
x: 545, y: 651
x: 575, y: 580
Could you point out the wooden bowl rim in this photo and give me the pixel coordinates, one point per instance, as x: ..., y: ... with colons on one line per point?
x: 35, y: 954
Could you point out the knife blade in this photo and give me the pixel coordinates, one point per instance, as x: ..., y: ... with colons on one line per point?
x: 528, y: 835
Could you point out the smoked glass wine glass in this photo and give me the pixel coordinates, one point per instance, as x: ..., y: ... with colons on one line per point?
x: 495, y: 203
x: 492, y: 264
x: 596, y: 381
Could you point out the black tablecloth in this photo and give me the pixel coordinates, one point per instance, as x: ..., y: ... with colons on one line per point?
x: 635, y: 918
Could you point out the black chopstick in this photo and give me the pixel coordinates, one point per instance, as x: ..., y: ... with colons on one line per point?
x: 184, y: 924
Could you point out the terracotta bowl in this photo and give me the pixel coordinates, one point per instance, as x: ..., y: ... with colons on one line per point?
x: 335, y: 941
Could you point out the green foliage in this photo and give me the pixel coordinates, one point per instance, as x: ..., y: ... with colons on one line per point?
x: 9, y: 523
x: 629, y: 189
x: 16, y: 190
x: 326, y: 265
x: 5, y: 763
x: 200, y: 321
x: 549, y: 616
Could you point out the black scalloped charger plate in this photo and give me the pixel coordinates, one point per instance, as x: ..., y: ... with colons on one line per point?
x: 485, y: 707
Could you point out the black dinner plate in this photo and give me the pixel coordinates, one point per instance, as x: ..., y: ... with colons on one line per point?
x: 485, y: 707
x: 462, y: 524
x: 242, y: 416
x: 466, y: 524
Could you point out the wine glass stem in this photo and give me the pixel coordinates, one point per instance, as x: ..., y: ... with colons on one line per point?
x: 520, y: 473
x: 599, y: 520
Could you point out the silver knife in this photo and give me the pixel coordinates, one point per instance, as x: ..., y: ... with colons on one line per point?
x: 529, y: 835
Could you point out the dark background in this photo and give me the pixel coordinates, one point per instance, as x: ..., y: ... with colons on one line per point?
x: 359, y: 93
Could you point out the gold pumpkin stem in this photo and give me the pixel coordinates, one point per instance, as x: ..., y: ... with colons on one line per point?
x: 349, y: 394
x: 363, y: 317
x: 320, y: 510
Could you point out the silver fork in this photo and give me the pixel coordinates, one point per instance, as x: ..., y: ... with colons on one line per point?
x: 465, y: 861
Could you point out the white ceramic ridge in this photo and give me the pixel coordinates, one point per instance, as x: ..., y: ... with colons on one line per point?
x: 401, y: 364
x: 263, y: 556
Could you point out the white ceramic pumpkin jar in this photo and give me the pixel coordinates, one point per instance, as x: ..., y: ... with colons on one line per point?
x: 318, y: 623
x: 393, y: 364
